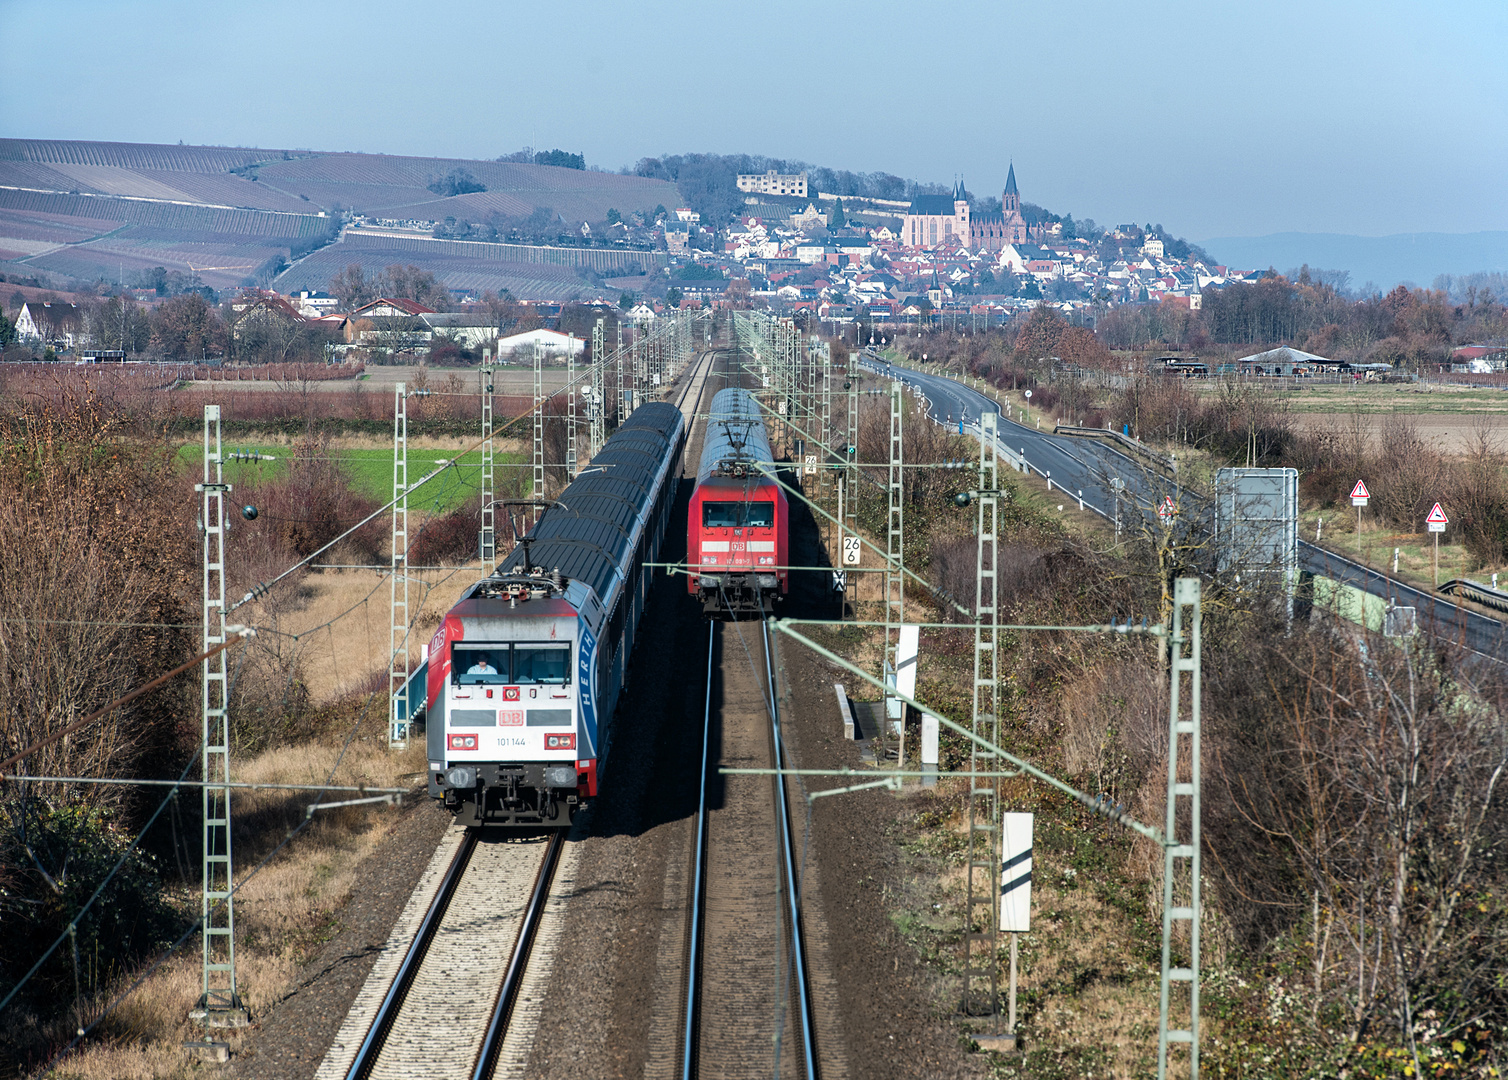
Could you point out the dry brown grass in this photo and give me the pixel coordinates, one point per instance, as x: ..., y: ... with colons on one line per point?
x: 282, y: 915
x: 342, y: 623
x: 1073, y: 933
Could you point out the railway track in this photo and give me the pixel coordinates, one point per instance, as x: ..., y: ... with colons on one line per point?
x: 448, y: 1009
x: 747, y: 1001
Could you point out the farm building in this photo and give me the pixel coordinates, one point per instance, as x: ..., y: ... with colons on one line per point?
x: 552, y: 342
x: 1287, y: 361
x: 467, y: 331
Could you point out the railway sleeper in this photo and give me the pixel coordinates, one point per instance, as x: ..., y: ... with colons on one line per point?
x: 513, y: 795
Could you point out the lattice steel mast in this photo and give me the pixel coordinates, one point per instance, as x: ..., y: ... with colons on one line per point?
x: 895, y: 581
x: 398, y: 713
x: 487, y: 541
x: 1181, y: 828
x: 982, y: 861
x: 570, y: 407
x: 597, y: 404
x: 219, y: 1001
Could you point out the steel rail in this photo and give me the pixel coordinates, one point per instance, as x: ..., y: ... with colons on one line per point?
x: 392, y: 1002
x: 800, y: 985
x: 698, y: 884
x: 518, y: 963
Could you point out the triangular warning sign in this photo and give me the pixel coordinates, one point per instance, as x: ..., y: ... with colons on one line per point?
x: 1167, y: 509
x: 1437, y: 516
x: 1360, y: 490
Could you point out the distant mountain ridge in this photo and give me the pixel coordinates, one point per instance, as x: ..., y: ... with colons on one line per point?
x: 1385, y: 261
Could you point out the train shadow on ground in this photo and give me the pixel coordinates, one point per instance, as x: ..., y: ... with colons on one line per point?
x: 652, y: 774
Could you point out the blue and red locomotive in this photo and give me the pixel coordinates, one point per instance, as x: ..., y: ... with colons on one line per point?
x: 524, y: 672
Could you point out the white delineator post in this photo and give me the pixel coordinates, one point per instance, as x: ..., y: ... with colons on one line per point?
x: 1015, y: 893
x: 1359, y: 497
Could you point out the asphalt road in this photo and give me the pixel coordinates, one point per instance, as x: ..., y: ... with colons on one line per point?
x: 1083, y: 466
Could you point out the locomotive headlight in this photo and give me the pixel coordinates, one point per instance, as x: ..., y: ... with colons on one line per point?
x: 461, y: 776
x: 559, y: 776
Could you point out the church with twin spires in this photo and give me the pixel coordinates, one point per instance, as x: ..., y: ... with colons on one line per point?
x: 939, y: 221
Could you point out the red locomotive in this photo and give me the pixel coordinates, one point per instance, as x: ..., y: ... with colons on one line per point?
x: 738, y: 525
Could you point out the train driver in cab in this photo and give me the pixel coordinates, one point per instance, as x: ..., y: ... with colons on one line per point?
x: 481, y: 667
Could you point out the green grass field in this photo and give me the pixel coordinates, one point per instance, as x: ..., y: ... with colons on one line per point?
x: 369, y: 471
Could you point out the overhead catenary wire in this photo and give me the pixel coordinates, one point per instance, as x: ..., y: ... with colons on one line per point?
x: 125, y: 855
x: 235, y: 634
x: 178, y: 944
x: 261, y: 590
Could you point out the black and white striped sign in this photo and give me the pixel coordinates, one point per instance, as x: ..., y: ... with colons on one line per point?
x: 1016, y: 873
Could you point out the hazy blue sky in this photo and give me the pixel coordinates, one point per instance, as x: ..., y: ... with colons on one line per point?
x: 1214, y: 119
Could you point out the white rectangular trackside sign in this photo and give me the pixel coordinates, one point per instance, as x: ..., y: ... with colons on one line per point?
x: 1016, y: 873
x: 905, y: 660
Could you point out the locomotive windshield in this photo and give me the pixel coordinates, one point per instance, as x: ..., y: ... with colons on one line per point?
x: 541, y: 663
x: 523, y: 663
x: 732, y: 515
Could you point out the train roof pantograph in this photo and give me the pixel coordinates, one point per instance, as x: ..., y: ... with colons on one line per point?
x: 736, y: 441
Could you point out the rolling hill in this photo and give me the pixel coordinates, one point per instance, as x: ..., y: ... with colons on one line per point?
x: 91, y: 210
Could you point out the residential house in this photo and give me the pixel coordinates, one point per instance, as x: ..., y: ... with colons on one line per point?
x: 391, y: 308
x: 56, y: 324
x: 313, y: 305
x: 677, y: 236
x: 390, y: 323
x: 258, y: 312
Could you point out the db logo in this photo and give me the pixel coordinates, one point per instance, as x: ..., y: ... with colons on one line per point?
x: 510, y: 693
